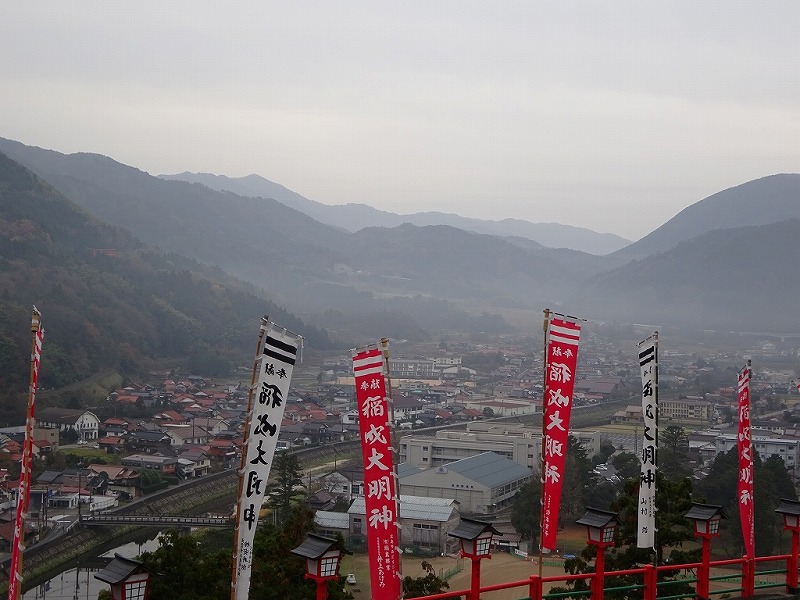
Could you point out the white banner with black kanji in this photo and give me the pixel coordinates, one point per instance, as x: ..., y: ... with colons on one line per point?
x: 274, y: 364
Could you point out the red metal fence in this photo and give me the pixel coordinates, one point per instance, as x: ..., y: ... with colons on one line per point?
x: 726, y: 578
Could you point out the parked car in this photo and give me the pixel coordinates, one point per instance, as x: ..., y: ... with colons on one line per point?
x: 351, y: 578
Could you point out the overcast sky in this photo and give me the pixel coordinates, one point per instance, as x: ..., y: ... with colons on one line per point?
x: 608, y: 115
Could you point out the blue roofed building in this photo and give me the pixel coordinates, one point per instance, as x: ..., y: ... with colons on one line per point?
x: 482, y: 484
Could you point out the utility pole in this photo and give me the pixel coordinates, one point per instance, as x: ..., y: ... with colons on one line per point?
x: 80, y: 468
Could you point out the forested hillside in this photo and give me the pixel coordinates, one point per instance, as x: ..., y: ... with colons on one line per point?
x: 107, y: 300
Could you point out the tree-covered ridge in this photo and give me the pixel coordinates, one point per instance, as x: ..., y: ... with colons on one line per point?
x: 107, y: 301
x: 772, y: 482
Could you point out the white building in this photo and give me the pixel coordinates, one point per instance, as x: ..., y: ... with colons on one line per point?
x: 766, y: 444
x: 84, y: 422
x: 424, y: 522
x: 522, y: 445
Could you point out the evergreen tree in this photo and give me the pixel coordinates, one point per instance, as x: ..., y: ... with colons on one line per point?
x: 673, y: 501
x: 288, y: 483
x: 578, y: 483
x: 527, y: 509
x: 772, y: 482
x: 180, y: 571
x: 627, y: 465
x: 187, y: 568
x: 425, y: 585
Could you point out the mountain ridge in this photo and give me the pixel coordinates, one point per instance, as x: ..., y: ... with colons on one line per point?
x: 298, y: 261
x: 743, y: 278
x: 441, y: 276
x: 356, y: 216
x: 729, y: 208
x: 109, y: 301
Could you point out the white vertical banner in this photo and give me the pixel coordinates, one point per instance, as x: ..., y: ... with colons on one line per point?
x: 273, y: 365
x: 648, y: 365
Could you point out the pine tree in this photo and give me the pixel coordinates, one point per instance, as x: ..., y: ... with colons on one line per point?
x: 288, y: 486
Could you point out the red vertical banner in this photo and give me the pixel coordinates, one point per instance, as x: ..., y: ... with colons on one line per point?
x: 24, y: 493
x: 380, y: 485
x: 561, y: 361
x: 745, y: 446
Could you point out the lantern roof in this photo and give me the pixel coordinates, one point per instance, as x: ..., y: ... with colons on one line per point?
x: 596, y: 517
x: 120, y: 569
x: 314, y: 546
x: 788, y: 507
x: 705, y: 512
x: 470, y: 529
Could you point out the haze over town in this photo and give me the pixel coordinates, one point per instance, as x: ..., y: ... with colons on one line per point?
x: 612, y: 117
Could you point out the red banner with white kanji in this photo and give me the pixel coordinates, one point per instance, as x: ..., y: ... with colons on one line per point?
x: 745, y: 445
x: 561, y: 362
x: 380, y: 486
x: 24, y: 491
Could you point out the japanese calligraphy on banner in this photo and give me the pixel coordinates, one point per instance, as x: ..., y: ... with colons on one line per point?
x: 648, y: 365
x: 561, y: 361
x: 24, y: 493
x: 273, y: 368
x: 380, y: 484
x: 745, y: 445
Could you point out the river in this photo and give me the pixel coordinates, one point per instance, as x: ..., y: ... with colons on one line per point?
x: 79, y: 583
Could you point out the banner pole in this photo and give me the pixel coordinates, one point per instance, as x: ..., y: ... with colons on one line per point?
x: 655, y: 533
x: 262, y: 331
x: 545, y: 326
x: 395, y: 441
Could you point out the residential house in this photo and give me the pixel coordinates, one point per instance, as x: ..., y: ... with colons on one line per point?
x: 112, y: 444
x: 6, y: 537
x: 350, y: 417
x: 193, y: 462
x: 213, y: 425
x: 331, y: 523
x: 595, y: 389
x: 172, y: 417
x: 122, y: 480
x: 148, y: 441
x: 630, y: 414
x: 186, y: 433
x: 115, y: 426
x: 222, y: 451
x: 321, y: 500
x: 346, y: 482
x: 166, y: 465
x: 407, y: 407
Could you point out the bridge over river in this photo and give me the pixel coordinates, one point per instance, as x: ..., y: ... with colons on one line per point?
x: 154, y: 521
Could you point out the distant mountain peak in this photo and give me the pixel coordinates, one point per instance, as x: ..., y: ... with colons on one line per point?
x: 355, y: 216
x: 762, y: 201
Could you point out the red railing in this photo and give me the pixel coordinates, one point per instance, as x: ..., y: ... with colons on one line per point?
x: 651, y: 588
